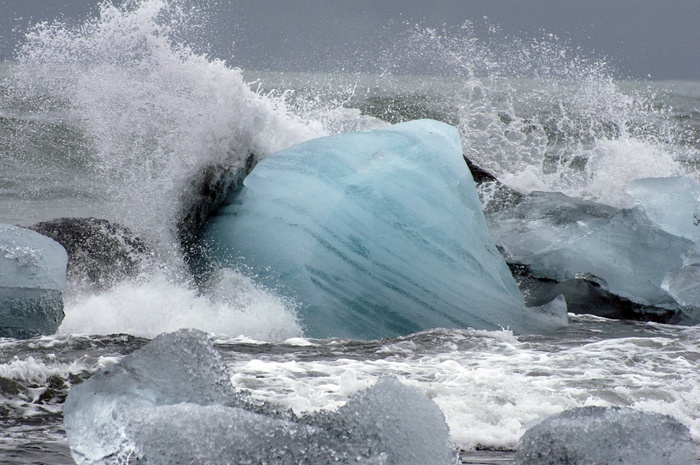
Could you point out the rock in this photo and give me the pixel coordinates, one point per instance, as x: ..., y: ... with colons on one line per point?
x: 209, y: 190
x: 100, y: 253
x: 604, y: 436
x: 55, y: 392
x: 374, y: 234
x: 584, y: 294
x: 32, y: 279
x: 494, y: 195
x: 11, y: 388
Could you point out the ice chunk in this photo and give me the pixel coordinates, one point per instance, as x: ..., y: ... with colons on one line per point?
x: 673, y: 203
x: 373, y: 427
x: 30, y: 260
x: 551, y: 315
x: 544, y: 221
x: 683, y: 284
x: 32, y: 278
x: 391, y: 420
x: 374, y: 234
x: 601, y: 436
x: 175, y: 368
x: 561, y: 238
x: 171, y: 403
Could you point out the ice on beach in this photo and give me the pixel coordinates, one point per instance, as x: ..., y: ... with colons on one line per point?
x: 673, y: 203
x: 176, y: 368
x: 32, y: 278
x: 30, y: 260
x: 606, y: 435
x: 683, y: 284
x: 374, y: 234
x: 562, y: 238
x: 171, y: 402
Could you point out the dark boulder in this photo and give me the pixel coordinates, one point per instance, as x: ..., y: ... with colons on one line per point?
x: 100, y: 253
x: 208, y: 190
x: 585, y: 295
x: 493, y: 194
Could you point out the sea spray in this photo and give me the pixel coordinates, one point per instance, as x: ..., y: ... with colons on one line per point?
x: 153, y: 111
x: 149, y: 115
x: 234, y: 305
x: 541, y: 115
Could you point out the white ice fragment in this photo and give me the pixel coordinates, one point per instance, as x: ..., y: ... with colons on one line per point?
x: 561, y: 238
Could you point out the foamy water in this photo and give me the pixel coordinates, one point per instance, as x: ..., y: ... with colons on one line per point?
x: 491, y: 385
x: 235, y: 305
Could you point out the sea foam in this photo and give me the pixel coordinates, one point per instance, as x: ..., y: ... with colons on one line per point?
x: 234, y: 305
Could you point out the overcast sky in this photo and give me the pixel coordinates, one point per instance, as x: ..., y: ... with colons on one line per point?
x: 659, y: 38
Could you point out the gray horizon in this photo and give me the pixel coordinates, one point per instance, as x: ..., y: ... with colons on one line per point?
x: 640, y: 39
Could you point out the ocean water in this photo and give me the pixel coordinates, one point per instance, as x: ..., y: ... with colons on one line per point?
x: 115, y: 116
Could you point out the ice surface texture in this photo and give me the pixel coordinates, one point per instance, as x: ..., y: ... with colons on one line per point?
x: 674, y: 204
x: 172, y: 403
x: 603, y: 436
x: 684, y: 285
x: 32, y: 278
x: 562, y: 238
x: 374, y: 234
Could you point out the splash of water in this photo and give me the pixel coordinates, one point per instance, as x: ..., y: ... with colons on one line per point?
x: 148, y: 306
x: 154, y: 115
x: 543, y: 116
x: 154, y: 111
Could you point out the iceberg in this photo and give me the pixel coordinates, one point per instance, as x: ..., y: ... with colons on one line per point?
x: 32, y: 278
x: 373, y: 234
x: 606, y: 435
x: 561, y: 238
x: 171, y: 402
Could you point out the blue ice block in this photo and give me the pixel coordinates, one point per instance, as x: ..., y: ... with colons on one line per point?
x: 374, y: 234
